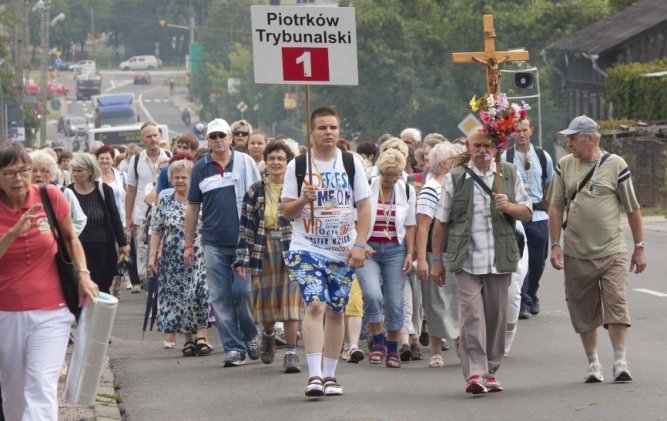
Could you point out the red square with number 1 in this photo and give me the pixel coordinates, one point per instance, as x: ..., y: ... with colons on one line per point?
x: 305, y: 64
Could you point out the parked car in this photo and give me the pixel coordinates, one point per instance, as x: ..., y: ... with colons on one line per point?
x: 84, y: 66
x: 31, y: 87
x: 140, y: 63
x: 56, y: 87
x: 143, y: 78
x: 76, y: 126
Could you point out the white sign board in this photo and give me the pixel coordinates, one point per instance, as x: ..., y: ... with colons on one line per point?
x: 468, y: 124
x: 304, y: 45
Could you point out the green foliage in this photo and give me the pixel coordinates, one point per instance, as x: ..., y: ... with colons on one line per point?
x: 31, y: 123
x: 635, y: 96
x: 618, y: 5
x: 406, y: 77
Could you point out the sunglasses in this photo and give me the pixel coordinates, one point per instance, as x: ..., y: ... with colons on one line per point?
x: 217, y: 135
x: 483, y: 145
x: 241, y: 133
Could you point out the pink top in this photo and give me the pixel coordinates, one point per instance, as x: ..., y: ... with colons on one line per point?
x: 29, y: 277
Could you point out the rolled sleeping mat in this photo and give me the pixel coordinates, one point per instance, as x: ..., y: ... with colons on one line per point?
x: 90, y: 348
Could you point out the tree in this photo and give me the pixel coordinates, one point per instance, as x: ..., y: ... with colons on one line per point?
x: 406, y: 77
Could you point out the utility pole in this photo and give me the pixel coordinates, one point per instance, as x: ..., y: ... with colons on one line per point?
x: 44, y: 7
x: 92, y: 28
x: 19, y: 34
x: 46, y: 15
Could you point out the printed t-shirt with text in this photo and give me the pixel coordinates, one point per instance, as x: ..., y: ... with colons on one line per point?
x: 332, y: 233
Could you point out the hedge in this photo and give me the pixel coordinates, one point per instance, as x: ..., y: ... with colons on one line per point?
x: 636, y: 96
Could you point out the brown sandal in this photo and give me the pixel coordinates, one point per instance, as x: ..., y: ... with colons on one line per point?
x: 203, y: 347
x: 189, y: 349
x: 315, y: 387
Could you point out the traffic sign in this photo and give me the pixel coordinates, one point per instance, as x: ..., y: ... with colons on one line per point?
x: 58, y: 62
x: 468, y: 124
x: 314, y: 45
x: 242, y: 106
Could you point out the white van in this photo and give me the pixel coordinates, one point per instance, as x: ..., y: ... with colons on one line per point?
x: 140, y: 63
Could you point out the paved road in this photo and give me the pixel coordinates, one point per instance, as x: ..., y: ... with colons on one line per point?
x: 153, y: 101
x: 542, y: 377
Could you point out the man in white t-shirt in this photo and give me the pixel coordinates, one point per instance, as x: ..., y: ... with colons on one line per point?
x: 326, y: 248
x: 139, y: 174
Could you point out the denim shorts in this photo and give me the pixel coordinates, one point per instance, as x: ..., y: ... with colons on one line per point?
x: 321, y: 279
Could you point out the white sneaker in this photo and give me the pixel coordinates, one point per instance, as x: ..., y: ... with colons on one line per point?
x: 622, y: 372
x: 356, y: 355
x: 345, y: 353
x: 594, y: 374
x: 128, y: 284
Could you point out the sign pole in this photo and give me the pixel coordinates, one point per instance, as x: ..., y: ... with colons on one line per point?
x: 309, y: 152
x: 305, y: 46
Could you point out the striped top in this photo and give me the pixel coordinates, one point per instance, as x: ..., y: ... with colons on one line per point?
x: 384, y: 229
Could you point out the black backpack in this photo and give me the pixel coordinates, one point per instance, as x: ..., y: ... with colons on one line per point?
x: 300, y: 169
x: 348, y: 163
x: 136, y: 163
x: 541, y: 156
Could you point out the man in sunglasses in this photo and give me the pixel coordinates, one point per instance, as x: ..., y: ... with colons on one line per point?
x: 241, y: 130
x: 217, y: 185
x: 536, y: 168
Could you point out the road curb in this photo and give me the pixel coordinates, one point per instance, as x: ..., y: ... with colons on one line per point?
x: 106, y: 407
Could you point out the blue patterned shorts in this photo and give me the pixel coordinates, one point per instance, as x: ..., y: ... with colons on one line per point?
x: 321, y: 279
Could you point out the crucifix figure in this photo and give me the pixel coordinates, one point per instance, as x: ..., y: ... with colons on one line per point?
x: 490, y: 57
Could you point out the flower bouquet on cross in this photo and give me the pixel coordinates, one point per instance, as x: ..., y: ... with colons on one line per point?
x: 499, y: 120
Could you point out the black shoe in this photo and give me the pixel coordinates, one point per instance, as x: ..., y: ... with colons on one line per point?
x: 405, y: 352
x: 524, y: 314
x: 535, y: 309
x: 445, y: 345
x: 424, y: 339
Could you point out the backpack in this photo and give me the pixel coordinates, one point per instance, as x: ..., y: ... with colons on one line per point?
x: 136, y: 163
x: 300, y: 169
x: 541, y: 156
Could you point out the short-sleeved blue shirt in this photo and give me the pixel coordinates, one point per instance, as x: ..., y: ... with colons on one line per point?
x: 217, y: 195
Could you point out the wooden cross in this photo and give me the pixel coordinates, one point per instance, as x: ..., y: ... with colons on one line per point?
x: 490, y: 57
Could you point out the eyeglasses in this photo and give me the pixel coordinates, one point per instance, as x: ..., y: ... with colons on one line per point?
x: 277, y: 158
x: 217, y: 135
x: 42, y: 171
x: 241, y: 133
x: 483, y: 145
x: 390, y: 176
x: 23, y: 172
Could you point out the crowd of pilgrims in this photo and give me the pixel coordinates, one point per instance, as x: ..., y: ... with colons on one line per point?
x: 395, y: 297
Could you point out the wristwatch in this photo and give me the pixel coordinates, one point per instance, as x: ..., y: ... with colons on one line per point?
x: 639, y: 244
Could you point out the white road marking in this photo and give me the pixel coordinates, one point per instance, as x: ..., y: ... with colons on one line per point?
x: 117, y: 84
x: 651, y: 292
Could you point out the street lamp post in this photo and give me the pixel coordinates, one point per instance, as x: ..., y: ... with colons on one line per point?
x: 44, y: 7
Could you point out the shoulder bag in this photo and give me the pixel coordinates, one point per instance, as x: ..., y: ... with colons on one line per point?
x: 68, y: 280
x: 520, y: 239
